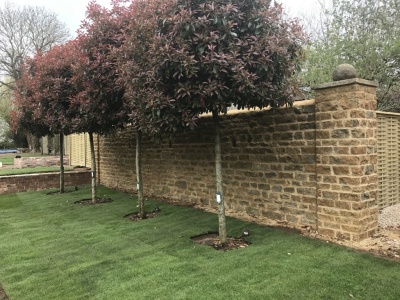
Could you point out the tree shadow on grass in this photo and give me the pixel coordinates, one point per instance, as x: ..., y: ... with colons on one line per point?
x: 99, y: 200
x: 69, y: 190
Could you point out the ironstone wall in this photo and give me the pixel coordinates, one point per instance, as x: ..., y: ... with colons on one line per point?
x: 314, y: 164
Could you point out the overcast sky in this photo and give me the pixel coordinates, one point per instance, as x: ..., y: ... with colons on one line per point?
x: 71, y: 12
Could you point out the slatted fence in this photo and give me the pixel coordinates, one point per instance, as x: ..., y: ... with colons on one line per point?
x: 79, y: 150
x: 388, y: 133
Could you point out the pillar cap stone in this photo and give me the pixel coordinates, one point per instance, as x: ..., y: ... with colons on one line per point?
x: 343, y: 72
x: 345, y: 82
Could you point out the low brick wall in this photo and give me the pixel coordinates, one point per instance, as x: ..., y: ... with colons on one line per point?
x: 36, y: 182
x: 40, y: 161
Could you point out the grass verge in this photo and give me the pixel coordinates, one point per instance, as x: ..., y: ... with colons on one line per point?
x: 8, y: 159
x: 51, y: 248
x: 5, y: 172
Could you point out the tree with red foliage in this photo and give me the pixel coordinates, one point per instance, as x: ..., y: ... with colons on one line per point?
x: 152, y: 112
x: 45, y: 94
x: 101, y: 104
x: 204, y: 56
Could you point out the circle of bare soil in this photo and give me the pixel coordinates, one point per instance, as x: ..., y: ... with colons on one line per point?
x: 212, y: 239
x: 147, y: 215
x: 99, y: 200
x: 3, y: 295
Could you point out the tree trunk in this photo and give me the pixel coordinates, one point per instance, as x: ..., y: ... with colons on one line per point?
x: 218, y: 173
x: 33, y: 143
x: 142, y: 214
x: 62, y: 181
x: 94, y: 190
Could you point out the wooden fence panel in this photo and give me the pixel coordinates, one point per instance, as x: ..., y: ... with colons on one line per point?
x: 79, y: 150
x: 388, y: 159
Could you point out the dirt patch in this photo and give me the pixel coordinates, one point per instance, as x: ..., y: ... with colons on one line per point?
x: 99, y: 200
x: 3, y: 295
x: 147, y: 215
x: 211, y: 239
x: 385, y: 243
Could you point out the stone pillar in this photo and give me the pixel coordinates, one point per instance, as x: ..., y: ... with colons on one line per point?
x: 346, y: 158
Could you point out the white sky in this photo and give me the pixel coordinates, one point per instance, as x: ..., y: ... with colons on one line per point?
x: 72, y: 12
x: 299, y: 8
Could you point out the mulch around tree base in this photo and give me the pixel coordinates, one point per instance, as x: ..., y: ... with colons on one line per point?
x: 148, y: 215
x: 3, y: 295
x: 212, y: 239
x: 99, y: 200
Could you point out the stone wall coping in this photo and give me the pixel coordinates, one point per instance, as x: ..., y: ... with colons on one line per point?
x: 388, y: 113
x: 345, y: 82
x: 255, y: 110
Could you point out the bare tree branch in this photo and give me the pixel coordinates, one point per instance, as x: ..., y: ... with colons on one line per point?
x: 23, y: 32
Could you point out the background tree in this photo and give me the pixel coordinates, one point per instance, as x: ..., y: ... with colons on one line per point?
x: 23, y: 32
x: 364, y: 33
x: 207, y: 55
x: 50, y: 107
x: 101, y: 103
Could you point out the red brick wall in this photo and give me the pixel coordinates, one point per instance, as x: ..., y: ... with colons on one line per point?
x: 40, y: 161
x: 35, y: 182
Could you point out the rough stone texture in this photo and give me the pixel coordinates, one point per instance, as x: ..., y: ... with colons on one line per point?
x: 313, y: 165
x: 40, y: 161
x: 35, y: 182
x: 343, y: 72
x: 347, y: 160
x: 268, y: 164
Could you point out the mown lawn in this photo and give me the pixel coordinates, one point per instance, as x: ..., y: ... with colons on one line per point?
x: 8, y: 159
x: 6, y: 172
x: 51, y: 248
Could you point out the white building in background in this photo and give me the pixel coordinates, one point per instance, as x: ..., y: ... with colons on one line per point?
x: 3, y: 133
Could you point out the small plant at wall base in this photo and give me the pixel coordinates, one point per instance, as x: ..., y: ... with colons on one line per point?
x: 205, y: 56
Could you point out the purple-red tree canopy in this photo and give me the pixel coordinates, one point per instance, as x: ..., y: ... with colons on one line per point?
x: 46, y: 91
x: 207, y: 55
x: 101, y: 103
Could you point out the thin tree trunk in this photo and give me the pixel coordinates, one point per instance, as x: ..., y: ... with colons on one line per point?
x: 218, y: 173
x: 33, y: 143
x: 94, y: 190
x: 62, y: 180
x: 142, y: 214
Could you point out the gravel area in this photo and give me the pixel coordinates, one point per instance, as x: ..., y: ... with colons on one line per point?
x: 390, y: 216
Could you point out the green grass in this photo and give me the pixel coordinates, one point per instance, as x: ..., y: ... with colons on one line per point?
x: 8, y: 159
x: 51, y: 248
x: 5, y: 172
